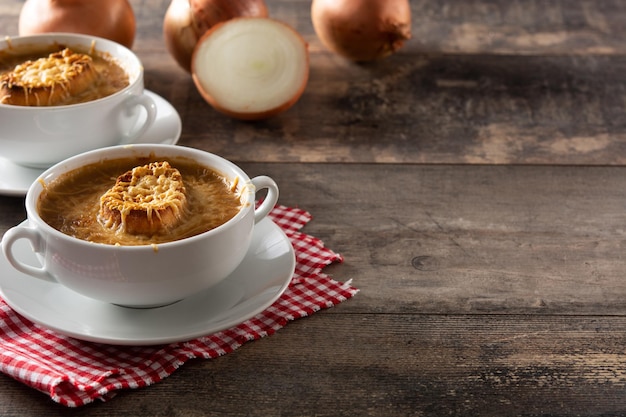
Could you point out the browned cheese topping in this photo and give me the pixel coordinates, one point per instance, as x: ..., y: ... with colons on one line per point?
x: 47, y: 81
x: 144, y: 200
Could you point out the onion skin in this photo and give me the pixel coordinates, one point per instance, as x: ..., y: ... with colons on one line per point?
x: 110, y: 19
x: 250, y: 115
x: 207, y: 13
x: 187, y: 20
x: 179, y: 33
x: 362, y: 30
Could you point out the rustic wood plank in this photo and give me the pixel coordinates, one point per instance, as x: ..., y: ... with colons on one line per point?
x: 435, y: 104
x: 430, y: 366
x: 534, y: 27
x: 458, y: 239
x: 435, y: 109
x: 382, y: 365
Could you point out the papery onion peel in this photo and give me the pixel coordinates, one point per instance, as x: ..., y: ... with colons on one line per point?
x: 251, y: 68
x: 362, y: 30
x: 187, y: 20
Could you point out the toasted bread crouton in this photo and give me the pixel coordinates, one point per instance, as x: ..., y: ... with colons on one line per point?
x: 48, y: 81
x: 145, y: 200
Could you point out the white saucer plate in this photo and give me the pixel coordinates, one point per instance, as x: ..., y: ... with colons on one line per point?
x: 259, y: 280
x: 15, y: 179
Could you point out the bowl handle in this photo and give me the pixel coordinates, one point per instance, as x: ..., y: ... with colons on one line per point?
x: 271, y: 198
x: 131, y: 106
x: 29, y: 233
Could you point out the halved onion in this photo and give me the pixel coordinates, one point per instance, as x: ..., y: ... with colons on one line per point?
x: 187, y: 20
x: 251, y: 68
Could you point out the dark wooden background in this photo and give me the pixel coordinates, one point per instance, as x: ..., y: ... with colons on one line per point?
x: 474, y: 183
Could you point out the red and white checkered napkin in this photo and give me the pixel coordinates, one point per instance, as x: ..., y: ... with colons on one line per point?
x: 75, y: 372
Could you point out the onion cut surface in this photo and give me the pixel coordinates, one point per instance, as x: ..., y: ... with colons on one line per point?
x: 251, y: 68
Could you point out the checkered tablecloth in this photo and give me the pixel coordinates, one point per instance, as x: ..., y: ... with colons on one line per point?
x: 74, y: 372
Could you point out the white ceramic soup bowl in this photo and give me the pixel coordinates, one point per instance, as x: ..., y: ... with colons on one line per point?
x: 146, y: 275
x: 44, y: 135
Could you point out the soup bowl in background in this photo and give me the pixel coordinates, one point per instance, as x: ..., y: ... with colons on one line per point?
x: 40, y: 136
x: 145, y: 275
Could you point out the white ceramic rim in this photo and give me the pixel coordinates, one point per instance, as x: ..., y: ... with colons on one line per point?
x: 122, y: 151
x: 53, y: 37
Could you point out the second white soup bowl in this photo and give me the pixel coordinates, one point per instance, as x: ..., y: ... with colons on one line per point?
x: 39, y: 136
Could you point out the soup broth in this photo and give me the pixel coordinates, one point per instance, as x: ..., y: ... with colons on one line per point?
x: 110, y: 77
x: 71, y: 203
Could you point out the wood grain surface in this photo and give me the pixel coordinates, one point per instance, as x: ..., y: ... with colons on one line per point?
x: 474, y: 183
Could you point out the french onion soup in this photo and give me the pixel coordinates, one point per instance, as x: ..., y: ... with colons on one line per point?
x: 139, y: 201
x: 57, y: 75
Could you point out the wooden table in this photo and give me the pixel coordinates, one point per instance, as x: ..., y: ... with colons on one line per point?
x: 474, y: 183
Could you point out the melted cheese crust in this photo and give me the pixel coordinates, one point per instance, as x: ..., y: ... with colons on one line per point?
x: 57, y: 68
x: 47, y: 80
x: 144, y: 199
